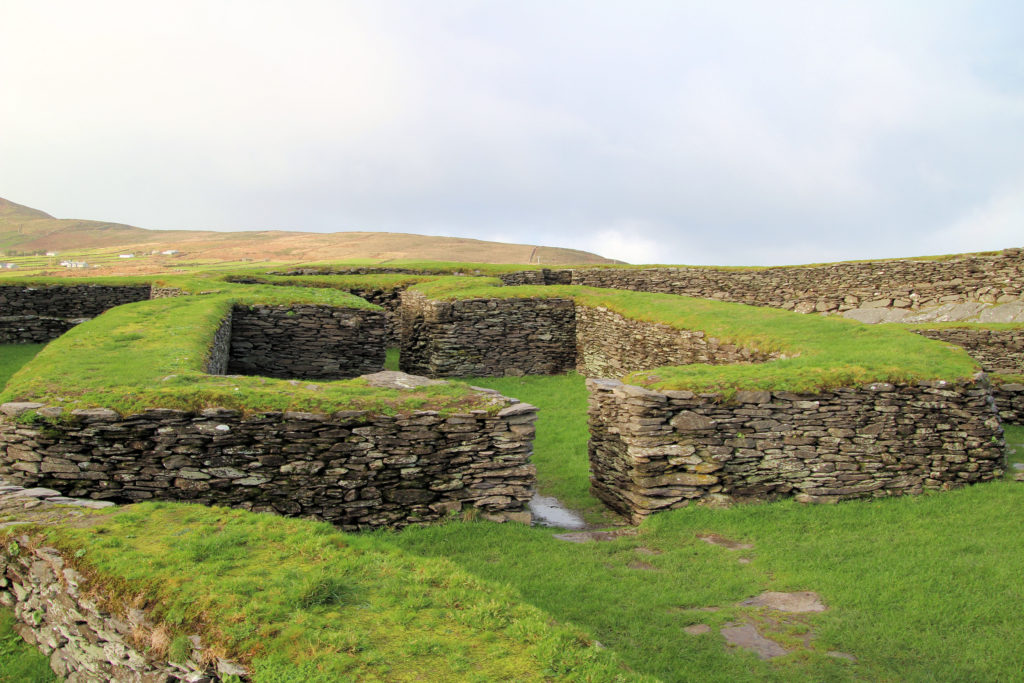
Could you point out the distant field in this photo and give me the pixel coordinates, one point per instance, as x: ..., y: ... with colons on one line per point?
x: 25, y: 230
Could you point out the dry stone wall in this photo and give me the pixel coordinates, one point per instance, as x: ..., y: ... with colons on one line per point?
x: 306, y: 341
x: 355, y: 469
x: 34, y: 329
x: 997, y: 350
x: 35, y: 315
x: 652, y: 451
x: 487, y: 337
x: 609, y: 345
x: 220, y: 350
x: 1009, y: 398
x: 835, y: 287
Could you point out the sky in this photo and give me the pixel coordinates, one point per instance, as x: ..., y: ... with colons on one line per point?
x: 726, y: 132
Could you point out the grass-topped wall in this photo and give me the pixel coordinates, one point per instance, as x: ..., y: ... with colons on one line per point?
x: 124, y: 407
x: 812, y: 352
x: 730, y: 400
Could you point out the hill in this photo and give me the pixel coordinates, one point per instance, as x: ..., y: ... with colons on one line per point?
x: 26, y: 230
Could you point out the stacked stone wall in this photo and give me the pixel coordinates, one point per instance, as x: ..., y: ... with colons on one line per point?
x: 33, y: 329
x: 487, y: 337
x: 997, y: 350
x: 609, y: 345
x: 1009, y: 398
x: 306, y: 342
x: 836, y: 287
x: 220, y: 351
x: 35, y: 315
x: 354, y: 469
x: 544, y: 276
x: 652, y: 451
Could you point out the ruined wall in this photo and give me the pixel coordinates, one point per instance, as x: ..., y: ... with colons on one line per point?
x: 833, y: 287
x: 354, y: 469
x: 306, y: 342
x: 35, y: 315
x: 609, y: 345
x: 487, y: 337
x: 652, y: 451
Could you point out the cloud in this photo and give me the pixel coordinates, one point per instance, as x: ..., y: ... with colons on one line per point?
x: 624, y: 242
x: 733, y: 132
x: 996, y: 224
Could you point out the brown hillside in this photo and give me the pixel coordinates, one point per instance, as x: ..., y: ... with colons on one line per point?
x: 24, y: 229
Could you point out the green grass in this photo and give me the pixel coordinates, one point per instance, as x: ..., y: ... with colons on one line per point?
x: 820, y: 353
x: 301, y: 601
x: 560, y: 445
x: 13, y: 356
x: 918, y: 589
x: 19, y: 661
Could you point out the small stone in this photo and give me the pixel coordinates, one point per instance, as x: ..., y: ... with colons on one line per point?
x: 749, y: 638
x: 688, y: 420
x: 797, y: 602
x: 697, y: 629
x: 517, y: 409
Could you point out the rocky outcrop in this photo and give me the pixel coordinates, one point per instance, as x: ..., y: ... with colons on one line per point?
x: 659, y: 450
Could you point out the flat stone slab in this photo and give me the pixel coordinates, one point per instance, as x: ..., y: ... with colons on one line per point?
x: 749, y: 638
x: 38, y: 493
x: 392, y: 379
x: 722, y: 541
x: 800, y: 601
x: 697, y: 629
x: 16, y: 408
x: 592, y: 536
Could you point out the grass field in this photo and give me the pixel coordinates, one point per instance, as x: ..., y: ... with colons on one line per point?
x: 923, y: 588
x: 919, y: 589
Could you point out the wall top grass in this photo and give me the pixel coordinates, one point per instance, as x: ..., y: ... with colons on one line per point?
x: 818, y: 353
